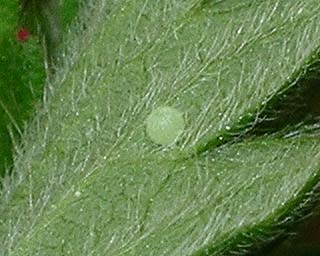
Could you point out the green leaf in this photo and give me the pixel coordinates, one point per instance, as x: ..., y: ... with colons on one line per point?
x: 88, y: 179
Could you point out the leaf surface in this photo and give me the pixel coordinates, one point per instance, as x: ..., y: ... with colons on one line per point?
x: 90, y: 181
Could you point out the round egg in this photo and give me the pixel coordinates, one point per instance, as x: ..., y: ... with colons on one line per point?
x: 164, y: 125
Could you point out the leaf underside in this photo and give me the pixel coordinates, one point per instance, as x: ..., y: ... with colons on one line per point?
x: 88, y: 180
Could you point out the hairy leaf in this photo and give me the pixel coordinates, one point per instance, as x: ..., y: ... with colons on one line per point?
x: 89, y: 180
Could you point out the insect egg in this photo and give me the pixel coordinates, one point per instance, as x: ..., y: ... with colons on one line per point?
x: 164, y: 125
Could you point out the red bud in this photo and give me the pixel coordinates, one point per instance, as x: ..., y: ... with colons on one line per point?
x: 23, y: 35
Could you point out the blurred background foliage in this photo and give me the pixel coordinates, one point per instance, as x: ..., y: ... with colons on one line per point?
x: 22, y: 74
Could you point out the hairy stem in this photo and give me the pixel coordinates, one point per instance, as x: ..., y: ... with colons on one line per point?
x: 44, y: 17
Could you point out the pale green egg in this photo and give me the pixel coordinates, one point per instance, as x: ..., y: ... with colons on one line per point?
x: 164, y: 125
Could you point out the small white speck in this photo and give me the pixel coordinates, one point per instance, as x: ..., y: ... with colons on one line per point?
x: 77, y: 193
